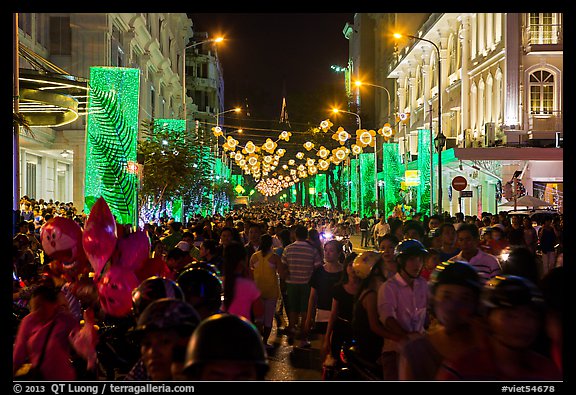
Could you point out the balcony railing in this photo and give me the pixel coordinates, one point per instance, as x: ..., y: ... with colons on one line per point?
x: 546, y: 122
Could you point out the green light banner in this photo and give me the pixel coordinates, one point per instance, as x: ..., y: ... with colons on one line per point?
x: 423, y: 190
x: 393, y: 171
x: 111, y: 141
x: 321, y: 197
x: 367, y: 187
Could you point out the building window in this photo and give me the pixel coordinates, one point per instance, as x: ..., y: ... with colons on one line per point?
x: 543, y: 28
x: 541, y: 92
x: 60, y: 36
x: 31, y: 179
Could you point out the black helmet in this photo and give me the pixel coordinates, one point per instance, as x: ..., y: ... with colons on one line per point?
x: 154, y: 288
x: 409, y: 247
x: 201, y: 282
x: 226, y: 337
x: 458, y: 273
x: 204, y: 265
x: 168, y: 313
x: 511, y: 291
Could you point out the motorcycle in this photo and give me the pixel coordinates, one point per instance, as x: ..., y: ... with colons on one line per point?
x: 354, y: 367
x: 347, y: 247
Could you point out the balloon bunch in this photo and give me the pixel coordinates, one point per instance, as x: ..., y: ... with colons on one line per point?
x: 118, y: 260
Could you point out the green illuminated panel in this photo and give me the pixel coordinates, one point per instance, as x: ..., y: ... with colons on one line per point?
x: 111, y: 142
x: 368, y: 197
x: 355, y: 198
x: 321, y: 198
x: 423, y: 190
x: 393, y: 171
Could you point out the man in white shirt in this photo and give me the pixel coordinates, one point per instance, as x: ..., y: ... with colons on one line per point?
x: 380, y: 229
x: 468, y: 239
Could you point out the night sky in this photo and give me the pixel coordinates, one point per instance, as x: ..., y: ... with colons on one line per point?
x: 264, y: 52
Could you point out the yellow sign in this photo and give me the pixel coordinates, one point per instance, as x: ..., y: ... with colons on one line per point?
x: 412, y: 178
x: 239, y: 189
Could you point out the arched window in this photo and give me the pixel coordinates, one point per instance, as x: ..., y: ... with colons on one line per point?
x: 541, y: 92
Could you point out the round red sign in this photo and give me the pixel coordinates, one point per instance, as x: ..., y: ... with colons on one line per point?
x: 459, y: 183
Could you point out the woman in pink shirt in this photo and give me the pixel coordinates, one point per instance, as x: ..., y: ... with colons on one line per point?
x: 241, y: 294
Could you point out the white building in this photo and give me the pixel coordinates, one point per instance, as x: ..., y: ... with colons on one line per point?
x: 502, y: 97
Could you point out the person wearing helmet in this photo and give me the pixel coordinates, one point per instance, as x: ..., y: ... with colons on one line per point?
x: 151, y: 289
x: 513, y: 312
x: 402, y: 303
x: 202, y: 289
x: 163, y: 331
x: 226, y: 347
x: 454, y: 302
x: 367, y: 330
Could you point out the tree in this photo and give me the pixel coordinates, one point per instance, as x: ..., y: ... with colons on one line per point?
x: 173, y: 167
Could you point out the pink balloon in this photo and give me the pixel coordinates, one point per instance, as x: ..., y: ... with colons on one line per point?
x: 115, y: 291
x: 99, y: 237
x: 61, y: 239
x: 132, y: 250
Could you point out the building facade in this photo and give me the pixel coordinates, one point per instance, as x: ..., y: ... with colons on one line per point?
x: 500, y: 78
x: 52, y: 158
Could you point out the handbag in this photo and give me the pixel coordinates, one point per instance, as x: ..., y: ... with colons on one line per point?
x: 34, y: 373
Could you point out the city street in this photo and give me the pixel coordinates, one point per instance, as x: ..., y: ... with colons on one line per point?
x: 288, y: 363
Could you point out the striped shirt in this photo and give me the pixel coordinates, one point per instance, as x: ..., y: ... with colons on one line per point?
x: 486, y: 264
x: 301, y: 258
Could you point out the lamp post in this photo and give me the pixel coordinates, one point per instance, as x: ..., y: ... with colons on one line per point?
x: 358, y: 84
x: 335, y: 111
x: 440, y: 138
x: 216, y: 40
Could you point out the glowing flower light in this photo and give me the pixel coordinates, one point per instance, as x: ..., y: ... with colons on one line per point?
x: 285, y: 136
x: 356, y: 149
x: 326, y: 125
x: 323, y: 152
x: 217, y: 130
x: 341, y: 135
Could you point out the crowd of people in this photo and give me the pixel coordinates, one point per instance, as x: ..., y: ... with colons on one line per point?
x: 436, y: 298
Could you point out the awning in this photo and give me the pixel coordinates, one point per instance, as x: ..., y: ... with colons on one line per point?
x: 49, y: 96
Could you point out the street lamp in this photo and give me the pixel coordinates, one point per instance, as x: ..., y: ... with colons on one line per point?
x: 336, y: 111
x: 217, y: 115
x: 358, y: 84
x: 440, y: 138
x: 215, y: 40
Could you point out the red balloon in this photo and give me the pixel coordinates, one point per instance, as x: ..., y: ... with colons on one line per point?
x: 132, y: 250
x: 115, y: 291
x: 99, y: 237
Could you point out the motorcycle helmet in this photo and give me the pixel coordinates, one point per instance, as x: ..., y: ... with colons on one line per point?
x: 225, y: 337
x: 201, y: 287
x: 458, y: 273
x: 409, y: 247
x: 508, y: 291
x: 167, y: 313
x: 154, y: 288
x: 204, y: 265
x: 363, y: 263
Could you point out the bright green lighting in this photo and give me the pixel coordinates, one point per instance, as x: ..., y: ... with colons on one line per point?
x: 111, y: 142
